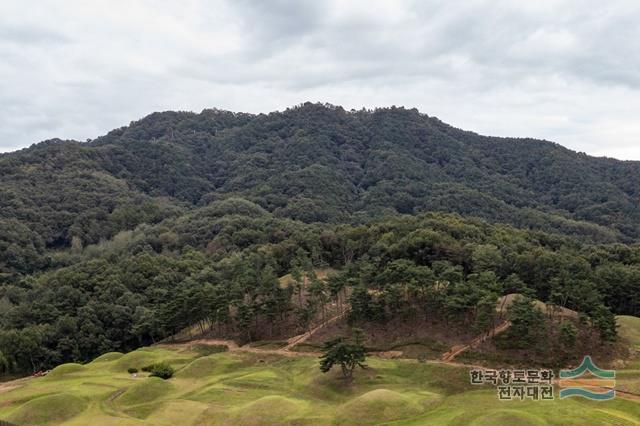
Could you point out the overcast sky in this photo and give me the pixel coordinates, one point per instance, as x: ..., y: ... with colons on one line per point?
x: 566, y: 71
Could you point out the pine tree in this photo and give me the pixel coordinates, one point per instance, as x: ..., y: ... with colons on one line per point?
x: 348, y: 354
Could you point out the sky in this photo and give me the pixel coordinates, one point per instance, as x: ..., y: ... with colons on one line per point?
x: 565, y: 71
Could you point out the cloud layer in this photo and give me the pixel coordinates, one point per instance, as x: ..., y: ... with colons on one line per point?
x: 567, y: 71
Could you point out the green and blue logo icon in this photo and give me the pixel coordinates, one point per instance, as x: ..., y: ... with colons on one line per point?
x: 599, y: 385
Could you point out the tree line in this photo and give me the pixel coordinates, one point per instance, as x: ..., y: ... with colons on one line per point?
x: 219, y: 272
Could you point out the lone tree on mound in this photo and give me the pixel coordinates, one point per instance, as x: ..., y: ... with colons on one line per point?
x: 349, y: 354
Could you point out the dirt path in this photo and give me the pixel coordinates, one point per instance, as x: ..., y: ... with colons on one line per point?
x: 288, y: 351
x: 285, y: 351
x: 233, y: 347
x: 301, y: 338
x: 13, y: 384
x: 296, y: 340
x: 458, y: 349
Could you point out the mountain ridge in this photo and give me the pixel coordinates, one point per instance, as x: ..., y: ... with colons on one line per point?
x: 98, y: 139
x: 313, y: 163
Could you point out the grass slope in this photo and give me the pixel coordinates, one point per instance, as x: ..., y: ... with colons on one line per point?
x: 65, y: 370
x: 629, y: 328
x: 235, y: 388
x: 45, y: 410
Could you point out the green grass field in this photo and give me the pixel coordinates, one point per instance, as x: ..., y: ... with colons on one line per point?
x: 234, y: 388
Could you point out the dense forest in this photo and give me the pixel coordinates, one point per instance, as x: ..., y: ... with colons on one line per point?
x: 185, y: 219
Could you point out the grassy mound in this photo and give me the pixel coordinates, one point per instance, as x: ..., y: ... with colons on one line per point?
x: 108, y: 357
x: 254, y: 389
x: 267, y: 379
x: 50, y: 409
x: 629, y: 328
x: 214, y: 415
x: 63, y: 370
x: 269, y: 410
x: 136, y: 359
x: 378, y: 406
x: 200, y: 368
x: 207, y: 367
x: 148, y: 390
x: 178, y: 412
x: 507, y: 417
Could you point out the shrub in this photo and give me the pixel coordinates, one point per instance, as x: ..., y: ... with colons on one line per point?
x: 161, y: 370
x: 132, y: 370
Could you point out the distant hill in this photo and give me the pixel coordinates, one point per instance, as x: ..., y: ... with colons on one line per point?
x: 315, y: 163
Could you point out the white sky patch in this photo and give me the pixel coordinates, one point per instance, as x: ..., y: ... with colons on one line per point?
x: 566, y: 71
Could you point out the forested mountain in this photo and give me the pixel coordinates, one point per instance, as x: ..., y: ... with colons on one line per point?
x: 314, y: 163
x: 184, y: 218
x: 219, y: 268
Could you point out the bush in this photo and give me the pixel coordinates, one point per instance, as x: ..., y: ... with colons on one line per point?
x: 161, y: 370
x: 132, y: 370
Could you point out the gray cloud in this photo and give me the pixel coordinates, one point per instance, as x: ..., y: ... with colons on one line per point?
x: 567, y: 71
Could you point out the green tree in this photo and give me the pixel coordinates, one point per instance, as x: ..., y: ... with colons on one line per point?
x: 603, y: 320
x: 568, y: 335
x: 5, y: 364
x: 348, y: 354
x: 318, y: 293
x: 486, y: 257
x: 528, y: 324
x: 360, y: 304
x: 486, y: 312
